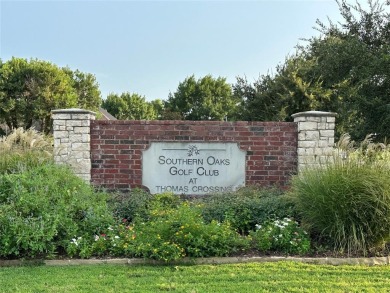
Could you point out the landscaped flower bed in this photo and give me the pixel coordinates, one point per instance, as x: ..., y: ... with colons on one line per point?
x: 341, y: 208
x: 174, y: 229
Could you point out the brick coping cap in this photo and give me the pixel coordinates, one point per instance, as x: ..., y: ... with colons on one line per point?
x: 72, y: 111
x: 314, y: 114
x: 199, y: 122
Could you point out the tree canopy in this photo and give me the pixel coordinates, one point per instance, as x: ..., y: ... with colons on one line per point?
x: 346, y: 70
x: 31, y: 89
x: 87, y: 89
x: 207, y: 98
x: 127, y: 106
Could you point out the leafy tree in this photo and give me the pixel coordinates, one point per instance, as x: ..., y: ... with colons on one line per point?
x: 207, y: 98
x: 29, y: 90
x: 345, y: 70
x: 87, y: 89
x: 130, y: 107
x: 168, y: 114
x: 275, y: 98
x: 259, y: 103
x: 353, y: 63
x: 158, y: 106
x: 363, y: 80
x: 115, y: 105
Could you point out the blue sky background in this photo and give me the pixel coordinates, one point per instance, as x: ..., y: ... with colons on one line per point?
x: 148, y: 47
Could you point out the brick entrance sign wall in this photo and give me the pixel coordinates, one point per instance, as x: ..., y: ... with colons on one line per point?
x: 116, y: 147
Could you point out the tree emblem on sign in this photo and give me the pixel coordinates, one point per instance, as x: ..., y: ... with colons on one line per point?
x: 192, y: 150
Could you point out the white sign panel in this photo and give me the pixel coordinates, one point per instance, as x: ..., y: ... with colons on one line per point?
x: 193, y: 168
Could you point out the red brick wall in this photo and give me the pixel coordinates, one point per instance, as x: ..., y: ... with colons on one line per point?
x: 116, y: 148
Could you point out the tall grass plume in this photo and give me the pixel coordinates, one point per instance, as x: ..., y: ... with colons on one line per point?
x: 346, y: 203
x: 22, y: 149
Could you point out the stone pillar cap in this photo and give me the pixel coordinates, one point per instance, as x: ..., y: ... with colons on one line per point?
x: 72, y: 111
x: 315, y: 114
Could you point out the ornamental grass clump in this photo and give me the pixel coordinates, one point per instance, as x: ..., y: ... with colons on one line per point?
x: 23, y: 149
x: 346, y: 203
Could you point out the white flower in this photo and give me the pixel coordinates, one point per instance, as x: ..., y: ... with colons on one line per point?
x: 75, y: 241
x: 110, y: 228
x: 258, y: 227
x: 116, y: 237
x: 97, y: 237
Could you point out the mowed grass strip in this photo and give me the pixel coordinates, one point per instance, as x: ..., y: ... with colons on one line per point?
x: 253, y: 277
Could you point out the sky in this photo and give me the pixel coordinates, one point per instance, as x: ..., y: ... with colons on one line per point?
x: 149, y: 47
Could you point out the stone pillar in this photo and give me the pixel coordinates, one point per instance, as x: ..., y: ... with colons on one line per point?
x: 71, y: 131
x: 315, y: 137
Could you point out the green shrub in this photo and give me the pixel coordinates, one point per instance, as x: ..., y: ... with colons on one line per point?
x: 131, y: 205
x: 44, y: 207
x: 282, y: 236
x: 347, y: 203
x: 115, y: 240
x: 163, y: 204
x: 140, y: 204
x: 22, y: 150
x: 178, y: 232
x: 173, y: 229
x: 247, y: 207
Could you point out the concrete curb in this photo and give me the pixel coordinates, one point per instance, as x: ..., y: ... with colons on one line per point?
x: 371, y: 261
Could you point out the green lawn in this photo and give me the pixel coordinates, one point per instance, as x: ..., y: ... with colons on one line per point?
x: 253, y: 277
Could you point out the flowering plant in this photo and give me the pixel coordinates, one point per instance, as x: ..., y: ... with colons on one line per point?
x: 79, y: 246
x: 116, y: 240
x: 175, y: 233
x: 281, y: 235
